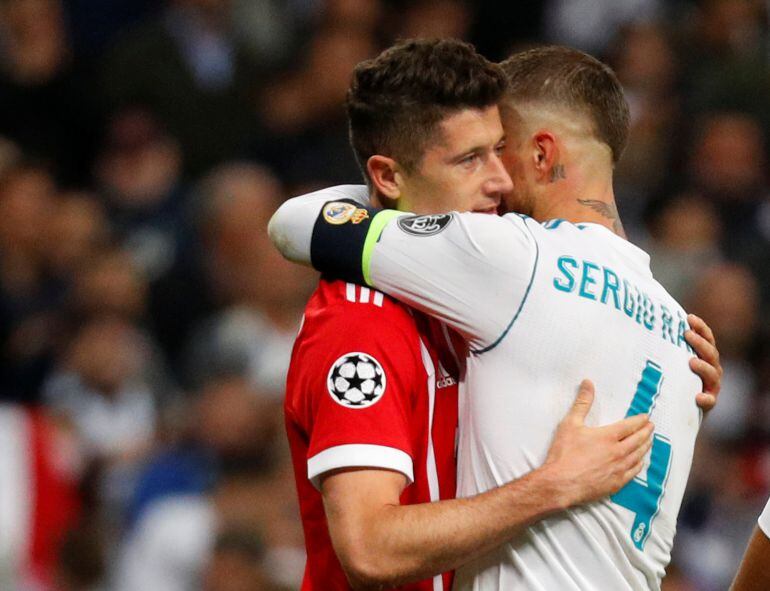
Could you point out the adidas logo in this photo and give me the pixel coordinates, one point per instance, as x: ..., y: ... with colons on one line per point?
x: 445, y: 380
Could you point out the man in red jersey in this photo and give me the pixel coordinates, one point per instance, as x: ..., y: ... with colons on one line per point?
x: 371, y: 406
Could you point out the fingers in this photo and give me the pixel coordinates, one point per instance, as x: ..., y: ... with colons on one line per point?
x: 641, y: 439
x: 708, y: 374
x: 635, y: 461
x: 703, y: 348
x: 583, y: 402
x: 705, y: 401
x: 698, y: 325
x: 629, y: 474
x: 624, y: 428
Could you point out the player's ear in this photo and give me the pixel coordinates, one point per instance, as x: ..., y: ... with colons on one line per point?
x: 385, y: 176
x: 545, y: 156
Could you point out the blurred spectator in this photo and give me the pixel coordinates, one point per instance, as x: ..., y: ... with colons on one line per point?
x: 30, y: 299
x: 231, y: 424
x: 78, y: 230
x: 727, y: 164
x: 590, y: 25
x: 435, y: 18
x: 187, y: 67
x: 646, y: 65
x: 101, y: 391
x: 106, y: 392
x: 686, y: 234
x: 718, y: 511
x: 235, y: 563
x: 47, y: 102
x: 233, y: 445
x: 139, y: 172
x: 262, y: 295
x: 726, y: 298
x: 725, y: 57
x: 305, y: 138
x: 110, y: 284
x: 351, y: 15
x: 81, y: 565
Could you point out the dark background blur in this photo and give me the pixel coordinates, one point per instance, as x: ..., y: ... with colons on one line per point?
x: 146, y: 322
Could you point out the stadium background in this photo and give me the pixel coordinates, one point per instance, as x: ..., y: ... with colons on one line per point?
x: 146, y: 323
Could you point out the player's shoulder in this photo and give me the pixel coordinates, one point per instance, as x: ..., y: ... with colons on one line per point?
x: 342, y: 301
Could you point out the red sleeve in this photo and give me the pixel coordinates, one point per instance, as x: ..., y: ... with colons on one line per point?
x: 354, y: 387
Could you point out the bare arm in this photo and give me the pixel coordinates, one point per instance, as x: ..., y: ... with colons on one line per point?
x: 383, y: 544
x: 754, y: 572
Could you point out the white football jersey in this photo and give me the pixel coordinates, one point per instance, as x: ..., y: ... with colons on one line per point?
x: 764, y: 520
x: 544, y: 306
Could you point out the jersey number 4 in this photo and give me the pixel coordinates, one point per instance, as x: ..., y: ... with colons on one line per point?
x: 638, y: 496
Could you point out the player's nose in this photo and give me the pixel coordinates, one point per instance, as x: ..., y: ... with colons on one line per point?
x: 499, y: 181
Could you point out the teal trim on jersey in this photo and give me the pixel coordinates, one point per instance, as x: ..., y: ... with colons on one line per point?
x: 553, y: 224
x: 643, y: 498
x: 523, y: 300
x: 372, y: 236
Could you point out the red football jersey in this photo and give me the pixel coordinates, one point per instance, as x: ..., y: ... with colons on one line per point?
x: 372, y: 384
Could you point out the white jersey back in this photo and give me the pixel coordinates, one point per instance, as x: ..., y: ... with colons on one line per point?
x: 544, y: 306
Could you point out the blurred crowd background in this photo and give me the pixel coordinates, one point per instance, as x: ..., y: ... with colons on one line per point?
x: 146, y: 323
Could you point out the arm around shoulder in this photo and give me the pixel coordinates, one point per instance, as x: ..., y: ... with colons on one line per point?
x: 291, y: 227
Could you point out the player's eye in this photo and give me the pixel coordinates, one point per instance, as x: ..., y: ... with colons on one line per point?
x: 500, y: 148
x: 469, y: 161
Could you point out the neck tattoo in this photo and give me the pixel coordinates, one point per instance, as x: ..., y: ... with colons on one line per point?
x: 558, y: 172
x: 607, y: 210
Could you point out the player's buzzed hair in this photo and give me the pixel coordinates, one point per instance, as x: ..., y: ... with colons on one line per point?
x: 397, y: 99
x: 573, y: 79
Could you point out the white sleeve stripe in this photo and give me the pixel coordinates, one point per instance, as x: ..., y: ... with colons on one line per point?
x: 378, y: 298
x: 364, y: 295
x: 764, y: 520
x: 350, y: 292
x: 359, y: 456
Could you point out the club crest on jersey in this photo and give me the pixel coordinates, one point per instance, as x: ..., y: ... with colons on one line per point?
x: 338, y: 213
x: 356, y: 380
x: 444, y: 379
x: 425, y: 225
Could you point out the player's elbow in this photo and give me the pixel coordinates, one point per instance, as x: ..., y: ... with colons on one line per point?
x: 286, y: 232
x: 276, y: 230
x: 366, y: 569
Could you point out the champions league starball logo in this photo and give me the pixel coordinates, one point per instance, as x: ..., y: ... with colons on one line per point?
x: 356, y: 380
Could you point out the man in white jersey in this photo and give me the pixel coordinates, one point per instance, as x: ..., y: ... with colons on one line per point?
x: 542, y: 305
x: 754, y: 572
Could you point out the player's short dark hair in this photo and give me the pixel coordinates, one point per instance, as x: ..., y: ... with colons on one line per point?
x: 571, y: 78
x: 397, y: 99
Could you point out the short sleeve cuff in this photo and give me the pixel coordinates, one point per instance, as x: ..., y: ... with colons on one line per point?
x: 764, y: 520
x: 359, y: 456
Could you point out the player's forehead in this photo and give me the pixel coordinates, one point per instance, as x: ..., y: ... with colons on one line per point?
x: 468, y: 126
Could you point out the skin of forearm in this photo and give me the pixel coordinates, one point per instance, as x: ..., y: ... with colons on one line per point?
x: 405, y: 543
x: 754, y: 572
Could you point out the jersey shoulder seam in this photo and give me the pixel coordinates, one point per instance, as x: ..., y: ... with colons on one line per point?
x: 523, y: 300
